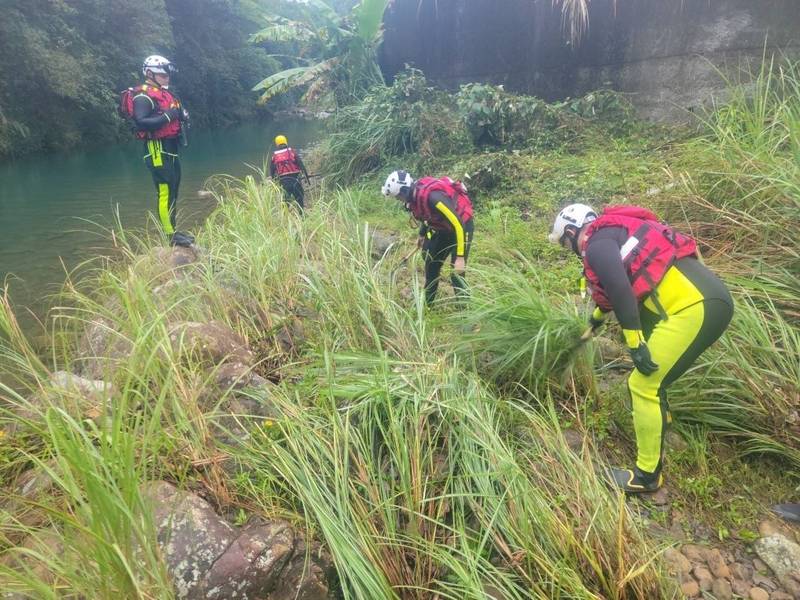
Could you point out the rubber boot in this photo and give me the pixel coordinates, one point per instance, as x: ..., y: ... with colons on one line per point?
x: 181, y: 238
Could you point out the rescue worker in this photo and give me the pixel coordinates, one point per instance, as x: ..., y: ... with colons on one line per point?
x: 444, y: 211
x: 669, y: 305
x: 158, y: 118
x: 287, y: 165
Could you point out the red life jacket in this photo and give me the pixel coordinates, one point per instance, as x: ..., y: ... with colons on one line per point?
x: 650, y: 250
x: 285, y: 161
x: 455, y: 190
x: 162, y: 99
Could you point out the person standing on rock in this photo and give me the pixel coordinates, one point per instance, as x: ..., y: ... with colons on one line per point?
x: 287, y: 166
x: 159, y: 120
x: 669, y: 305
x: 444, y: 210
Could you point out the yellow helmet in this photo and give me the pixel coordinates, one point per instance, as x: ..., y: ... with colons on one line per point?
x: 281, y: 140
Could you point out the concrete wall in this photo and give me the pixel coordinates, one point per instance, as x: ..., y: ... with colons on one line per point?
x: 661, y: 52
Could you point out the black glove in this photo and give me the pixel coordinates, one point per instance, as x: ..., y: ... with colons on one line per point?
x: 173, y: 114
x: 642, y: 359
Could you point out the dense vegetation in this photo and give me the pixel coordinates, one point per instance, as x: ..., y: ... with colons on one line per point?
x: 427, y: 450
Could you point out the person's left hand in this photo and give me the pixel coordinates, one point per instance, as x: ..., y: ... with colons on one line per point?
x: 460, y: 265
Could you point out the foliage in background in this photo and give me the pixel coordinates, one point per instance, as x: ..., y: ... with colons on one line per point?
x: 63, y: 64
x: 412, y: 120
x: 337, y: 54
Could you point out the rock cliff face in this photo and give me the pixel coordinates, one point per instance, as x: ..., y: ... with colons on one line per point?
x: 664, y: 53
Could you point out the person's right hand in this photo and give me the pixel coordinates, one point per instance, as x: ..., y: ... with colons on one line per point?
x: 173, y: 114
x: 639, y: 351
x: 597, y: 320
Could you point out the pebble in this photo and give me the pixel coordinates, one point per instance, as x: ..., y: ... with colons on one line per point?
x: 722, y: 589
x: 693, y: 553
x: 740, y: 571
x: 717, y: 564
x: 760, y: 565
x: 690, y: 589
x: 758, y: 594
x: 764, y: 582
x: 768, y: 528
x: 741, y: 588
x: 781, y: 596
x: 676, y: 562
x: 704, y: 578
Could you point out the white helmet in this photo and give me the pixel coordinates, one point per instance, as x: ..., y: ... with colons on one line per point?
x: 577, y: 215
x: 396, y: 183
x: 157, y: 64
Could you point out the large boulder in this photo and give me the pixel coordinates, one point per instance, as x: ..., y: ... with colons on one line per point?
x: 783, y: 557
x: 208, y: 558
x: 211, y: 343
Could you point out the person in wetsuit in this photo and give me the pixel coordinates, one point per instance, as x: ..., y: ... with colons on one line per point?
x: 670, y: 307
x: 287, y: 166
x: 444, y: 210
x: 158, y: 118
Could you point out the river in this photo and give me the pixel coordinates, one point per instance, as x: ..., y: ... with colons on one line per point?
x: 56, y: 210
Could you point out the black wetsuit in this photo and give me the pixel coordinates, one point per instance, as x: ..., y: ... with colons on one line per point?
x: 161, y: 158
x: 694, y: 308
x: 291, y: 182
x: 441, y: 243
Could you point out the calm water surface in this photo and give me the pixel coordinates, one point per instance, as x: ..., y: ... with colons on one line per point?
x: 53, y: 209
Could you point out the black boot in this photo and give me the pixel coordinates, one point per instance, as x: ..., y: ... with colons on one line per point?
x: 180, y: 238
x: 635, y: 481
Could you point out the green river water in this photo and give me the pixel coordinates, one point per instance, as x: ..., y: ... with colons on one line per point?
x: 55, y: 210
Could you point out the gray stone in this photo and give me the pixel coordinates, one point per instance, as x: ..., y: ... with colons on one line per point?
x: 704, y: 578
x: 210, y: 343
x: 208, y: 558
x: 783, y: 557
x: 722, y: 589
x: 382, y: 242
x: 741, y: 572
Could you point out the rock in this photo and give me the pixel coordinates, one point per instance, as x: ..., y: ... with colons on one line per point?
x: 760, y: 565
x: 781, y: 596
x: 741, y: 588
x: 102, y: 348
x: 93, y: 396
x: 676, y: 562
x: 212, y: 343
x: 717, y: 564
x: 722, y: 589
x: 235, y: 376
x: 209, y: 559
x: 758, y: 594
x: 174, y: 258
x: 45, y: 543
x: 765, y: 582
x: 768, y: 528
x: 382, y: 242
x: 704, y: 578
x: 660, y: 497
x: 694, y: 553
x: 690, y: 589
x: 574, y: 439
x: 675, y: 441
x: 782, y: 556
x: 741, y: 572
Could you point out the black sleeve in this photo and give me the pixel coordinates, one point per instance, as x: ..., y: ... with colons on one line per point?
x: 145, y: 115
x: 602, y: 254
x: 271, y: 168
x: 436, y: 197
x: 301, y: 165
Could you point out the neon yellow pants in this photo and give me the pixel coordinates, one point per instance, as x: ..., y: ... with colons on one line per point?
x: 674, y: 343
